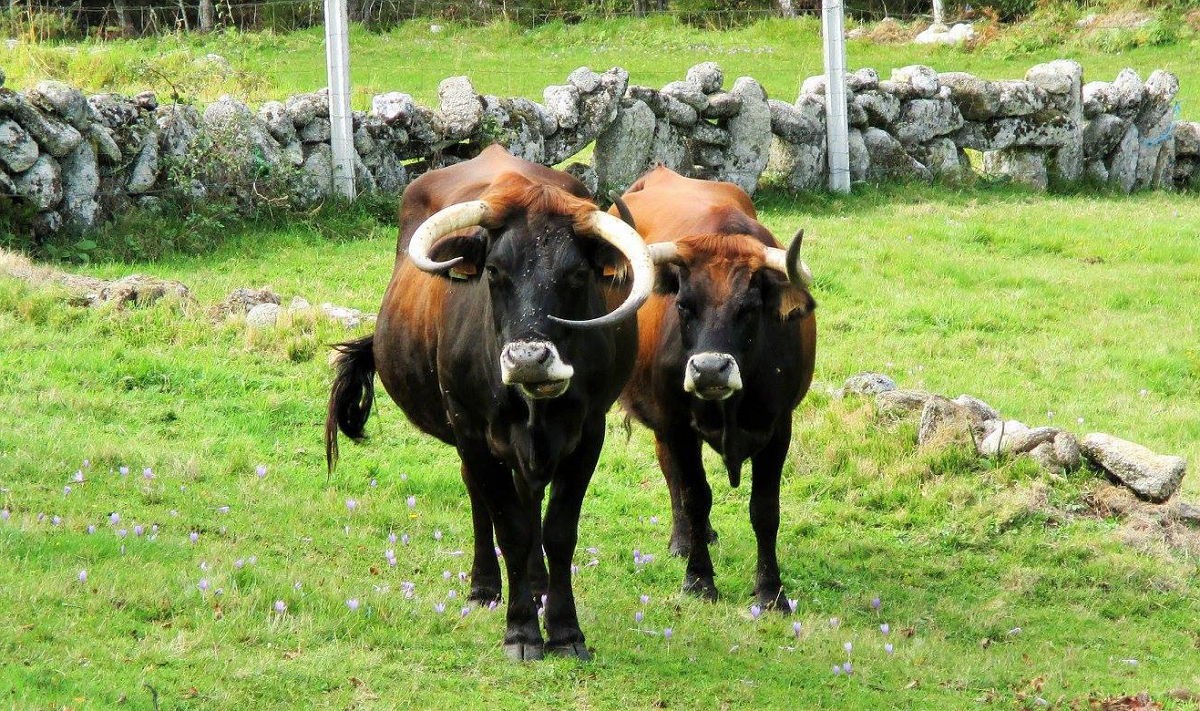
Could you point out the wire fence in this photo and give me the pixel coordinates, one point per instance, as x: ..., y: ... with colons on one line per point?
x: 38, y: 19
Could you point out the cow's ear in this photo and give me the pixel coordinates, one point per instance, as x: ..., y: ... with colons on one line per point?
x: 791, y: 303
x: 666, y: 279
x: 609, y: 263
x: 472, y: 248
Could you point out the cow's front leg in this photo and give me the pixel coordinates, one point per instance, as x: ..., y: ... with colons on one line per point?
x: 485, y: 571
x: 764, y: 517
x: 681, y: 529
x: 538, y: 578
x: 509, y: 511
x: 560, y: 534
x: 679, y: 455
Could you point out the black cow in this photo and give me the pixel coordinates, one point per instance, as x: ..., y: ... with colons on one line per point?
x: 495, y: 336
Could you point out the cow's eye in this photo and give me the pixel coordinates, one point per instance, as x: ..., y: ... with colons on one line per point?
x: 494, y: 275
x: 578, y: 277
x: 686, y: 309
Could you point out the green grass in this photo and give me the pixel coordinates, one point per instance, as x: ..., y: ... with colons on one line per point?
x: 1065, y: 303
x: 508, y: 60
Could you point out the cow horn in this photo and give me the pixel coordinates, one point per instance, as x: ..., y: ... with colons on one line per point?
x: 663, y: 252
x: 789, y: 262
x: 438, y: 225
x: 629, y: 243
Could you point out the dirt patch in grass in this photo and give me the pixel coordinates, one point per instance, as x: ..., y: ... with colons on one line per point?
x: 1150, y: 528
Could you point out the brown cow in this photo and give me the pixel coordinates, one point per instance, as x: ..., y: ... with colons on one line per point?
x: 504, y: 349
x: 725, y: 353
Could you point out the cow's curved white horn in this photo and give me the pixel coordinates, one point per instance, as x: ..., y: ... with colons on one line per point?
x: 663, y: 252
x: 777, y: 259
x: 438, y: 225
x: 629, y: 243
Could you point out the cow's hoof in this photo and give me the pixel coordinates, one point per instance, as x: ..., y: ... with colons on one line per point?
x: 703, y: 588
x: 523, y: 651
x: 777, y: 601
x: 570, y: 649
x: 484, y: 594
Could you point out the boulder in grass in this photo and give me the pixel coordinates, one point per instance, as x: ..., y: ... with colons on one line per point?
x: 899, y: 403
x: 1153, y: 477
x: 868, y: 384
x: 943, y: 420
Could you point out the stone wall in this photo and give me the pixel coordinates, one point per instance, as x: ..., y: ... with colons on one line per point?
x: 68, y: 161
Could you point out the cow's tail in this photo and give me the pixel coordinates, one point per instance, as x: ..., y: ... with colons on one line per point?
x: 352, y: 394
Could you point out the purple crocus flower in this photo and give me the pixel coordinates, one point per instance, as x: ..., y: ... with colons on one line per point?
x: 41, y: 516
x: 793, y: 604
x: 574, y: 569
x: 392, y: 537
x: 849, y: 647
x: 876, y: 603
x: 261, y: 470
x: 56, y: 520
x: 153, y: 529
x: 654, y: 520
x: 446, y: 575
x: 124, y: 470
x: 403, y: 476
x: 439, y: 607
x: 203, y: 585
x: 83, y: 576
x: 4, y: 514
x: 297, y: 586
x: 87, y: 464
x: 66, y: 490
x: 464, y: 612
x: 462, y: 576
x: 122, y: 533
x: 91, y: 529
x: 592, y: 550
x: 239, y: 563
x: 351, y: 504
x: 638, y: 617
x: 437, y: 535
x: 193, y: 536
x: 889, y: 648
x: 252, y: 560
x: 280, y: 607
x: 499, y: 552
x: 848, y: 668
x: 138, y: 530
x: 352, y: 603
x: 644, y: 598
x: 492, y: 605
x: 412, y: 502
x: 837, y: 669
x: 885, y: 628
x: 374, y: 483
x: 78, y: 477
x: 796, y: 627
x: 451, y: 594
x: 834, y: 622
x: 114, y: 518
x: 148, y: 473
x: 222, y: 509
x: 668, y: 633
x: 755, y: 611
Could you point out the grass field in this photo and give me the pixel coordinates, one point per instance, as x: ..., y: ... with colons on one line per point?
x: 998, y: 585
x: 508, y: 60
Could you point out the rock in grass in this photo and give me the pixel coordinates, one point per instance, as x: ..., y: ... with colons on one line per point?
x: 942, y: 418
x: 868, y: 384
x: 263, y: 316
x: 998, y: 435
x: 1153, y: 477
x: 901, y: 402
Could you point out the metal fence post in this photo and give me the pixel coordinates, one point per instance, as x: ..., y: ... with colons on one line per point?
x: 837, y: 128
x: 337, y: 62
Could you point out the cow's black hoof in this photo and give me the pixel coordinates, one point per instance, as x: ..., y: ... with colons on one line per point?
x: 570, y: 649
x: 523, y: 651
x: 703, y: 588
x: 484, y: 594
x: 774, y: 601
